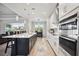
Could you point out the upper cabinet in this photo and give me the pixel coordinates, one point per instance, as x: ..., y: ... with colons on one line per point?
x: 65, y: 8
x: 54, y: 18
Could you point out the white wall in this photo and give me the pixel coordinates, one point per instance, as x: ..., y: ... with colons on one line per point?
x: 2, y: 27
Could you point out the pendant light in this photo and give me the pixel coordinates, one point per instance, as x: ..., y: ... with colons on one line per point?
x: 17, y: 18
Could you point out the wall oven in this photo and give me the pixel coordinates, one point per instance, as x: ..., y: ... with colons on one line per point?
x: 68, y: 34
x: 68, y: 44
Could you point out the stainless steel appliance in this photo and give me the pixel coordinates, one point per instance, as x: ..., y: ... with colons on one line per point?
x: 68, y: 38
x: 69, y: 44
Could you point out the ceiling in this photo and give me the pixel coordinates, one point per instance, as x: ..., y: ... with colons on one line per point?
x: 6, y: 12
x: 29, y: 10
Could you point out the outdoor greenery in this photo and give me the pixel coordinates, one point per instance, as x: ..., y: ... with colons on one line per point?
x: 8, y: 27
x: 39, y: 29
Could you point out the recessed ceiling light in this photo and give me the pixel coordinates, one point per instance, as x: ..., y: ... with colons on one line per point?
x: 28, y: 3
x: 25, y: 9
x: 33, y: 8
x: 33, y: 13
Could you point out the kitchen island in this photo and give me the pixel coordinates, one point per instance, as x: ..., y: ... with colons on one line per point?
x: 23, y: 43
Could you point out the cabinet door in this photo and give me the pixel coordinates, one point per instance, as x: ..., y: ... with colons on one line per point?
x: 22, y: 46
x: 66, y: 8
x: 30, y: 44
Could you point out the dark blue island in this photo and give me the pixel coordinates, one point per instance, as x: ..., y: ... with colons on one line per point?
x: 23, y: 43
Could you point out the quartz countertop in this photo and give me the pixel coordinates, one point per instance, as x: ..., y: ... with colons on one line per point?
x: 23, y: 35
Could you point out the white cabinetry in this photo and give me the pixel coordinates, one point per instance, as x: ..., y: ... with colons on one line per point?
x: 66, y: 8
x: 66, y: 11
x: 53, y: 38
x: 54, y: 42
x: 53, y: 19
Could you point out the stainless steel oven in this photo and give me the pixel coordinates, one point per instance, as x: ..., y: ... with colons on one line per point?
x: 68, y: 44
x: 68, y: 38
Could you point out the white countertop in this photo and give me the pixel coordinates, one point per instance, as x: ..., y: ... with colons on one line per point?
x: 23, y: 35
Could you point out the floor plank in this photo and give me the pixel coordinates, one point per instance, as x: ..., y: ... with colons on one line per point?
x: 41, y: 48
x: 2, y: 50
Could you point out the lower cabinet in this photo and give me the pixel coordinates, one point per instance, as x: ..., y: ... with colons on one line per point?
x: 54, y: 42
x: 23, y: 46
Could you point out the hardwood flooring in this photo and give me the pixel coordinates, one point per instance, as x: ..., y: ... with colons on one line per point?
x: 41, y: 48
x: 2, y: 50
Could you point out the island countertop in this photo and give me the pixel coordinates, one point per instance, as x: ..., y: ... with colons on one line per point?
x: 23, y: 35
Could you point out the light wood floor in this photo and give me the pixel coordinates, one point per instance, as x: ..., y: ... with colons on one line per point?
x: 2, y: 50
x: 41, y: 48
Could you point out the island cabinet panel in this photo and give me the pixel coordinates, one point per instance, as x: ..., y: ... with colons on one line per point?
x: 32, y: 41
x: 22, y: 46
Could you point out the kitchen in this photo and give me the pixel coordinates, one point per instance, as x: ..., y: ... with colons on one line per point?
x: 21, y: 26
x: 39, y: 29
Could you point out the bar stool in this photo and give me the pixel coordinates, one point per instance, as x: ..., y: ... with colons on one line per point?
x: 8, y: 46
x: 8, y: 41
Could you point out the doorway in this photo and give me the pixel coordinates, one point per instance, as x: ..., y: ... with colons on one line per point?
x: 40, y: 27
